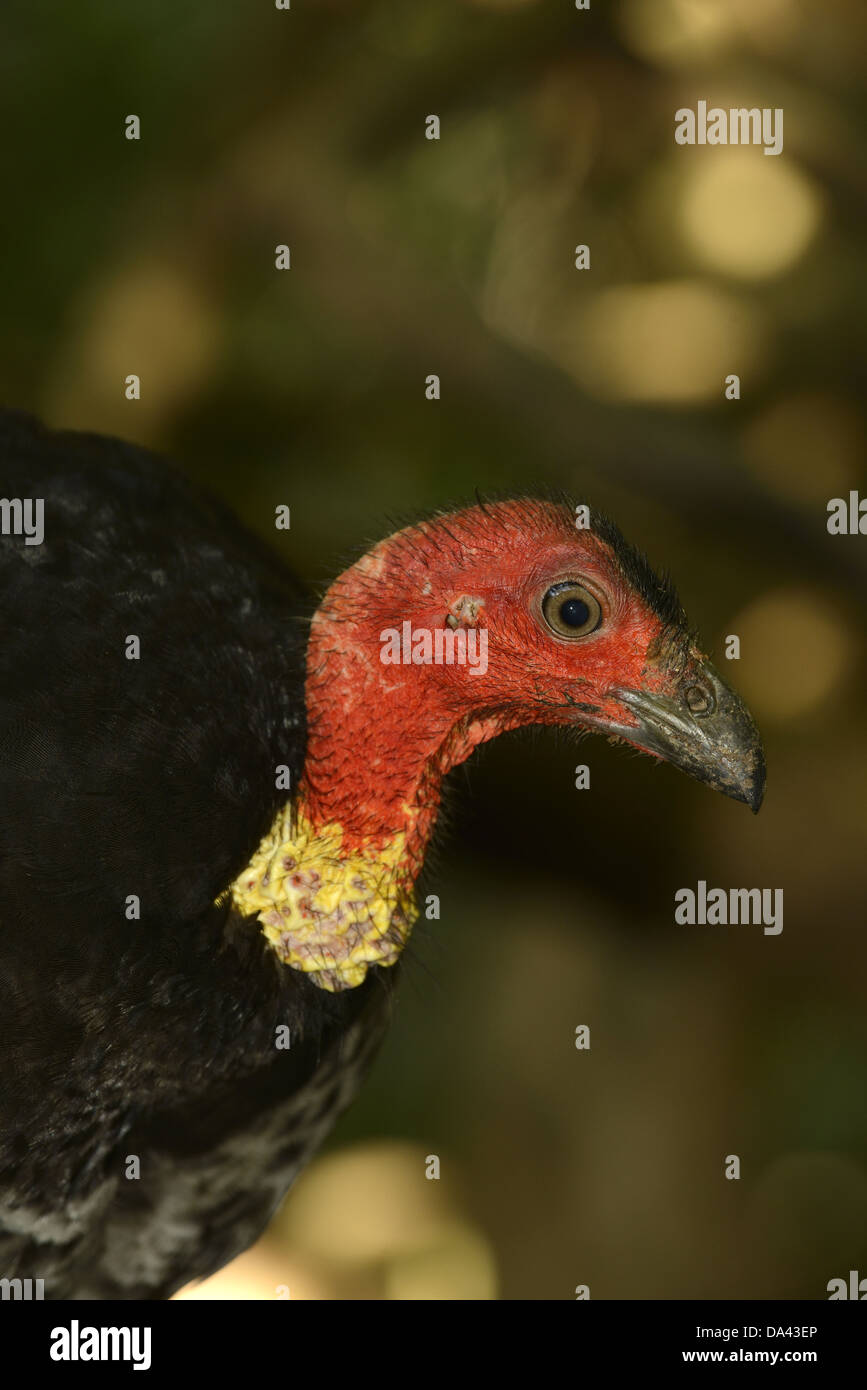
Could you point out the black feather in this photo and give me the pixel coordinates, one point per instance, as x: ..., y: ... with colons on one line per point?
x: 655, y: 588
x: 155, y: 778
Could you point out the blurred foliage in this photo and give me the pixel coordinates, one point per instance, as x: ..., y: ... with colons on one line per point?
x: 410, y: 256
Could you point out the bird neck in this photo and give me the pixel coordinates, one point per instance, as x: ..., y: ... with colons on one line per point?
x: 332, y: 881
x: 381, y: 736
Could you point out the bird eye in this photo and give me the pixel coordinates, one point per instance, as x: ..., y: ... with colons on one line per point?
x: 570, y: 610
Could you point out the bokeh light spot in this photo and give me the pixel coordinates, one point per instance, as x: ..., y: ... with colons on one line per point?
x: 671, y: 342
x: 459, y: 1265
x: 807, y: 448
x: 747, y: 214
x: 795, y: 652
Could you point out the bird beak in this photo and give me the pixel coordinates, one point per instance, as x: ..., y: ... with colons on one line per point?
x: 703, y: 728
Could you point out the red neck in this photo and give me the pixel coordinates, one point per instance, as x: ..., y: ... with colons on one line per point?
x: 379, y: 742
x: 376, y: 754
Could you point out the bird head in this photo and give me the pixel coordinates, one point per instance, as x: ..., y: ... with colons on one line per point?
x: 509, y: 614
x: 441, y: 637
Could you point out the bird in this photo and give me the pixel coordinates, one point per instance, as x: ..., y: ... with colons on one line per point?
x: 216, y: 797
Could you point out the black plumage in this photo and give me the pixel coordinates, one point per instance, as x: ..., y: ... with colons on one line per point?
x: 152, y: 777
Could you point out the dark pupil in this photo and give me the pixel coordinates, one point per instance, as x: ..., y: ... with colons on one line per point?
x: 574, y: 612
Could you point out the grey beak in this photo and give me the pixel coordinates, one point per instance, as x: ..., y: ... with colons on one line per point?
x: 705, y: 729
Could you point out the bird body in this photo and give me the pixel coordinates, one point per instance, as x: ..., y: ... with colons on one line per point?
x: 214, y: 806
x: 149, y: 1036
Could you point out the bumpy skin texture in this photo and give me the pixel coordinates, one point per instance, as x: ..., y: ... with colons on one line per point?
x: 154, y: 777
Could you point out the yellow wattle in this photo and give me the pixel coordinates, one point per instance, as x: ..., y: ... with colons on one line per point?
x: 324, y: 909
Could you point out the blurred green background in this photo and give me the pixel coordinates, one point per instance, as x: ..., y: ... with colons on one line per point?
x: 157, y: 257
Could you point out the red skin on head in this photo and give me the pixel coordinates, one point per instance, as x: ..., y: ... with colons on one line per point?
x: 381, y: 737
